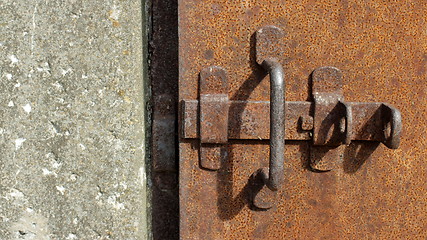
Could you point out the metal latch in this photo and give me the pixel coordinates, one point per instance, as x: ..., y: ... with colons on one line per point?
x: 329, y: 121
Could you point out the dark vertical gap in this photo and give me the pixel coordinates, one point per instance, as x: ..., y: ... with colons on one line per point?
x: 163, y: 70
x: 146, y: 31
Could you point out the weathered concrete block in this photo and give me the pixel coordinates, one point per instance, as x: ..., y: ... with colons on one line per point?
x: 72, y: 120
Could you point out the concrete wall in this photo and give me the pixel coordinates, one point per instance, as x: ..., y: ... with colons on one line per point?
x: 72, y: 120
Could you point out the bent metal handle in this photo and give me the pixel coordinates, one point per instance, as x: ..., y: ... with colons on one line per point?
x: 277, y: 123
x: 274, y: 178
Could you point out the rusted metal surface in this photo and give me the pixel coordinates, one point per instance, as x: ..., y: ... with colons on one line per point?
x: 376, y: 193
x: 211, y: 155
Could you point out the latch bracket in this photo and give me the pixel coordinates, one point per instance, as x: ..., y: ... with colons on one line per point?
x: 213, y: 121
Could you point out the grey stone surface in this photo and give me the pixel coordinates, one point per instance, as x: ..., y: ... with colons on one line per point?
x: 72, y: 120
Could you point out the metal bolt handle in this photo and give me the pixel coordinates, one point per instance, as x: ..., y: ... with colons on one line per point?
x: 277, y: 123
x: 275, y: 171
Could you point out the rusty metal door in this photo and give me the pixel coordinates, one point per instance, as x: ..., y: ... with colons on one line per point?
x: 354, y: 78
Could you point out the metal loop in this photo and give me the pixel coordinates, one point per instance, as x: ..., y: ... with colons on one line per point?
x: 392, y: 126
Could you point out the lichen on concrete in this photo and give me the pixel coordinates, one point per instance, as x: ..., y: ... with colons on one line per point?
x: 72, y: 120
